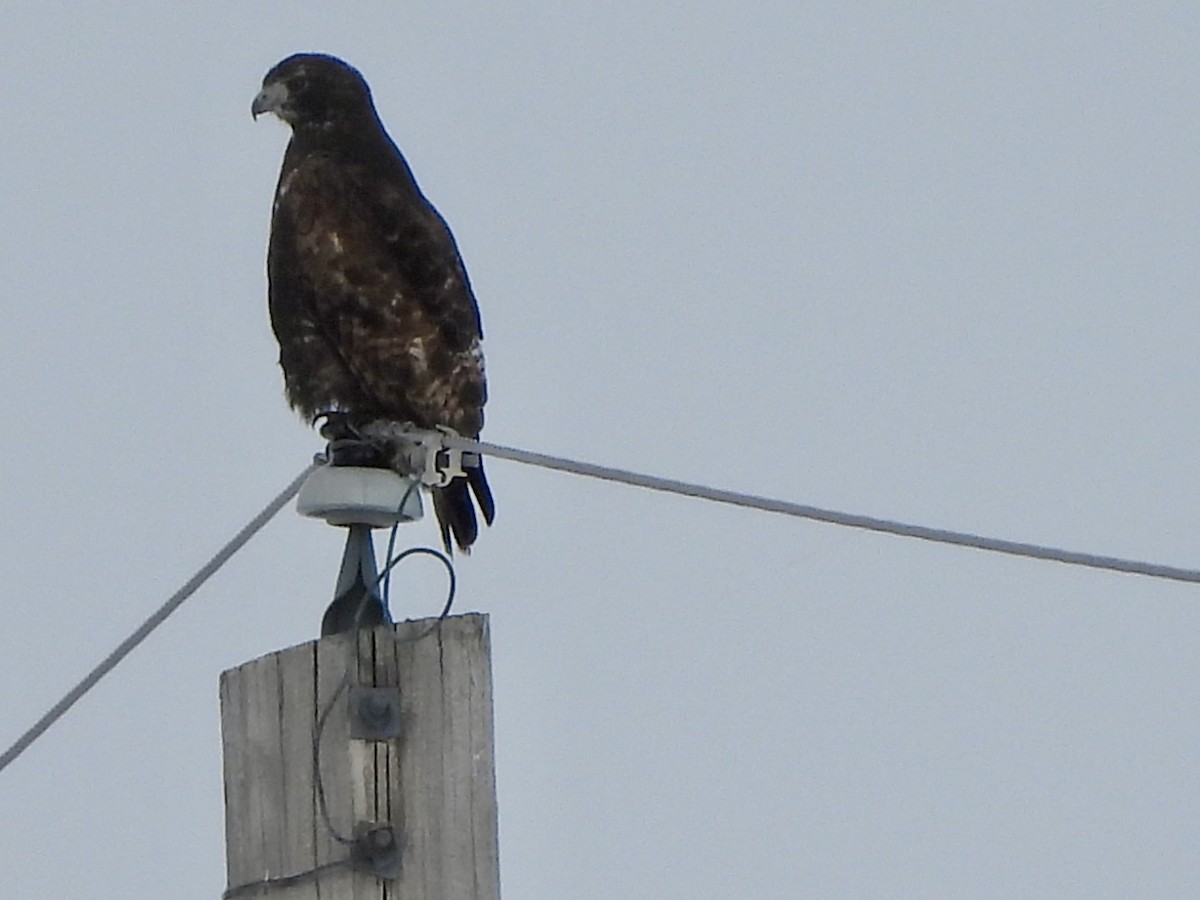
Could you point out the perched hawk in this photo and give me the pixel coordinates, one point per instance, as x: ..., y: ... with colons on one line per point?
x: 369, y: 298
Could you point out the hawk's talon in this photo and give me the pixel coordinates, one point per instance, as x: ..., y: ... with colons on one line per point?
x: 335, y: 426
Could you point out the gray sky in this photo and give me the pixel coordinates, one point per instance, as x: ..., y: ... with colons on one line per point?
x: 928, y: 261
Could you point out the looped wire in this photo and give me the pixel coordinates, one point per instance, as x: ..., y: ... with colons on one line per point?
x: 352, y: 670
x: 451, y: 588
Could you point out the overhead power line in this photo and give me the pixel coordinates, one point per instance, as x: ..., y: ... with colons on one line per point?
x: 143, y: 631
x: 816, y: 513
x: 622, y: 476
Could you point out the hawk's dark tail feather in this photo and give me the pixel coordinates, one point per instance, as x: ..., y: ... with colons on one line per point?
x: 483, y: 493
x: 455, y: 511
x: 455, y: 515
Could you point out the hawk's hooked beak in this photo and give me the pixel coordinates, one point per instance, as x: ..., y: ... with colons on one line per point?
x: 270, y: 100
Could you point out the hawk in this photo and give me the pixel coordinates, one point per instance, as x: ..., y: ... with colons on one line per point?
x: 368, y: 296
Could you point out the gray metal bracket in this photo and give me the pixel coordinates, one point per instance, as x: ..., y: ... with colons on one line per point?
x: 374, y: 713
x: 377, y: 849
x: 356, y: 603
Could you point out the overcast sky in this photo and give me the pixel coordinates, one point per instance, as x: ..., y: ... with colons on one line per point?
x: 927, y: 261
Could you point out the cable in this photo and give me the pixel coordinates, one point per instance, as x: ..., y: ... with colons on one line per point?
x: 848, y: 520
x: 318, y: 777
x: 451, y: 587
x: 623, y: 476
x: 284, y: 880
x: 160, y: 615
x: 391, y: 548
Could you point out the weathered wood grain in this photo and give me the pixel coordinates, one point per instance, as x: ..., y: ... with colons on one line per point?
x: 435, y: 784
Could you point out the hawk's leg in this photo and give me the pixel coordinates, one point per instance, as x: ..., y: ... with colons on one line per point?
x: 347, y: 446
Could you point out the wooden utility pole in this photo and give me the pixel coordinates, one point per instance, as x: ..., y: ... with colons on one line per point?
x: 394, y: 731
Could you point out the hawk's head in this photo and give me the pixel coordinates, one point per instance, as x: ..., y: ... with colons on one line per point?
x: 314, y: 91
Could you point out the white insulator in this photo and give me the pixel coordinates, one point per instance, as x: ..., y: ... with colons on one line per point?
x: 350, y: 495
